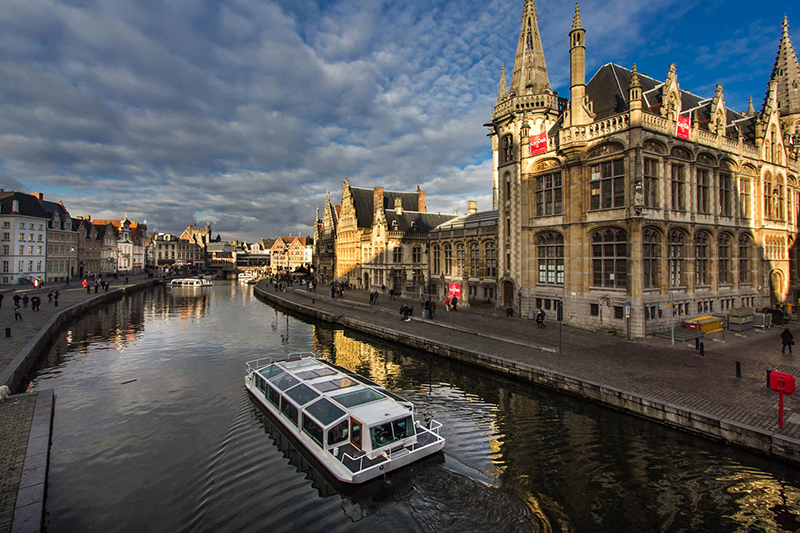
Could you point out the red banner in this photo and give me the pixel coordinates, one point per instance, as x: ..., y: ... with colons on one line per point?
x: 538, y: 143
x: 454, y: 289
x: 683, y: 126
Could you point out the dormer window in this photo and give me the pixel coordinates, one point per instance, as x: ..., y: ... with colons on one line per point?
x: 394, y: 224
x: 413, y: 226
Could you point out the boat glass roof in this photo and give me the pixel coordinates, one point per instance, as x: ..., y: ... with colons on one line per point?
x: 302, y: 394
x: 315, y: 373
x: 352, y: 399
x: 271, y: 371
x: 285, y: 381
x: 335, y: 384
x: 324, y: 411
x: 291, y: 365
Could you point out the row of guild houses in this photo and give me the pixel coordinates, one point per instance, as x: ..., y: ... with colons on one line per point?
x: 628, y: 202
x: 41, y: 242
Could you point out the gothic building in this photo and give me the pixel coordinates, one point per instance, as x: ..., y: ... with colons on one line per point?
x: 633, y: 197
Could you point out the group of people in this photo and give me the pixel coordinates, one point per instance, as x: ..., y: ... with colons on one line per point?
x: 429, y: 307
x: 98, y: 284
x: 373, y: 297
x: 405, y: 312
x: 451, y: 303
x: 24, y: 300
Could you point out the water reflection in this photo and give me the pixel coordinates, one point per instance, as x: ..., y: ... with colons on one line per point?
x: 188, y: 450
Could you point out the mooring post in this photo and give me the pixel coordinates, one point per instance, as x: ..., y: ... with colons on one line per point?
x: 738, y: 370
x: 697, y: 343
x: 702, y: 348
x: 8, y: 332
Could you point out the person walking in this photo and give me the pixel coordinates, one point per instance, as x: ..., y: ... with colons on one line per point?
x: 1, y: 299
x: 50, y: 297
x: 25, y: 300
x: 17, y: 314
x: 540, y: 320
x: 16, y: 299
x: 454, y: 303
x: 433, y: 308
x: 35, y: 303
x: 788, y: 340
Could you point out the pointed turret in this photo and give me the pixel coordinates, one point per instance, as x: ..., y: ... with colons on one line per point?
x: 502, y: 92
x: 579, y: 112
x: 751, y: 111
x: 530, y: 70
x: 786, y: 72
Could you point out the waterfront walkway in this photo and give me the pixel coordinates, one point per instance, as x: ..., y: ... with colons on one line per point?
x: 25, y: 419
x: 654, y: 370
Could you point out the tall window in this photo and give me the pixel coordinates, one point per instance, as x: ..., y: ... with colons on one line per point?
x: 777, y: 199
x: 608, y: 184
x: 550, y: 247
x: 491, y: 259
x: 398, y: 254
x: 507, y: 182
x: 768, y: 212
x: 744, y: 259
x: 677, y: 242
x: 474, y: 258
x: 701, y: 258
x: 610, y: 259
x: 724, y: 257
x: 460, y: 259
x: 436, y: 260
x: 726, y: 195
x: 745, y: 192
x: 678, y: 187
x: 416, y: 254
x: 651, y: 174
x: 703, y: 191
x: 448, y: 259
x: 508, y: 148
x: 651, y: 255
x: 548, y: 194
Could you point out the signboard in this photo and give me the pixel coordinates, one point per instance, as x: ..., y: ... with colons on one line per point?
x: 683, y: 126
x: 454, y: 289
x: 538, y: 143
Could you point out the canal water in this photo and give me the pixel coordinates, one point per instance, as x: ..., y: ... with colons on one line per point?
x: 155, y: 431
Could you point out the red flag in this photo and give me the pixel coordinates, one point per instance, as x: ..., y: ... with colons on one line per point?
x: 538, y: 143
x: 683, y: 126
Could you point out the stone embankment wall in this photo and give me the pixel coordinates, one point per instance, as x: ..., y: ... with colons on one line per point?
x: 703, y: 424
x: 17, y: 372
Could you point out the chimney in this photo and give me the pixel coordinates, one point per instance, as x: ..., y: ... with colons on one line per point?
x: 377, y: 199
x: 39, y: 196
x: 420, y: 200
x: 398, y: 205
x: 473, y: 207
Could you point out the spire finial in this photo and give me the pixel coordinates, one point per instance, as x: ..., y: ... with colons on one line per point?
x: 635, y: 78
x: 576, y: 22
x: 751, y: 111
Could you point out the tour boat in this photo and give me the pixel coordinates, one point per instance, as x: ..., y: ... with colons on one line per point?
x: 189, y: 282
x: 355, y: 428
x: 245, y: 277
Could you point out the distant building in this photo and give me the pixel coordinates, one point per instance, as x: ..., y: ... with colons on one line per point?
x: 290, y: 253
x: 23, y: 238
x: 90, y: 245
x: 62, y: 242
x: 130, y: 237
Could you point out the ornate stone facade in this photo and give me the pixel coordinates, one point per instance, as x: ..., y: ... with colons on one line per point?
x: 634, y: 194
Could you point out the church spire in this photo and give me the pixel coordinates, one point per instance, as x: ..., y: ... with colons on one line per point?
x: 751, y: 112
x: 502, y: 92
x: 530, y: 70
x: 786, y: 72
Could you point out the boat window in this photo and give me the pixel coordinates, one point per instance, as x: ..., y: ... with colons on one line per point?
x: 273, y: 396
x: 261, y: 384
x: 302, y: 394
x: 300, y: 363
x: 338, y: 433
x: 312, y: 429
x: 351, y: 399
x: 403, y: 428
x: 316, y: 373
x: 390, y: 432
x: 271, y: 371
x: 339, y: 383
x: 285, y: 381
x: 325, y: 411
x: 289, y: 410
x: 355, y: 438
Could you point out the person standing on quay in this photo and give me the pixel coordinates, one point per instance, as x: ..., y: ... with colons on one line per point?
x: 17, y: 314
x: 788, y: 340
x: 1, y: 299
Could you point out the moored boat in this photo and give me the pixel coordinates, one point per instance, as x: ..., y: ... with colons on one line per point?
x: 189, y: 282
x: 355, y: 428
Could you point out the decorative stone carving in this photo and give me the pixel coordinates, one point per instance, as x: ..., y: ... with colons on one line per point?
x: 705, y: 159
x: 681, y: 153
x: 653, y: 146
x: 608, y: 148
x: 547, y: 163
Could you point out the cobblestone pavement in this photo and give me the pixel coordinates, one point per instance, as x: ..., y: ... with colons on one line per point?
x: 16, y: 416
x: 653, y: 368
x: 16, y: 413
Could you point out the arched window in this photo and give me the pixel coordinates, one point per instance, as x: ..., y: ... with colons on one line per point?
x: 677, y: 242
x: 651, y: 254
x: 550, y: 250
x: 724, y: 257
x: 474, y: 258
x: 777, y: 198
x: 491, y: 259
x: 508, y: 148
x: 436, y: 260
x: 448, y: 259
x: 701, y: 258
x: 460, y: 259
x: 768, y: 202
x: 610, y: 259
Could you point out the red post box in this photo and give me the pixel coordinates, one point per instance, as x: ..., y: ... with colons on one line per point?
x: 781, y: 383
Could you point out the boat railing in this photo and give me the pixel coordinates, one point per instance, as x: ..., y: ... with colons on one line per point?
x: 259, y: 363
x: 266, y: 361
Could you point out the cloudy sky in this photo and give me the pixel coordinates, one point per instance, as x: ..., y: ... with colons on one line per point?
x: 245, y: 112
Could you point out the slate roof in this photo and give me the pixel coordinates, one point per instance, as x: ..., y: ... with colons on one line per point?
x: 362, y: 201
x: 28, y: 205
x: 608, y: 91
x: 474, y: 220
x: 411, y: 221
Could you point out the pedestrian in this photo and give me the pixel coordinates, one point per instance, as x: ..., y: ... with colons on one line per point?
x: 84, y: 283
x: 540, y: 320
x: 447, y: 304
x: 404, y: 313
x: 50, y: 297
x: 371, y: 298
x: 376, y: 297
x: 88, y: 288
x: 17, y: 298
x: 433, y: 308
x: 25, y: 301
x: 55, y: 299
x: 126, y: 280
x: 391, y: 294
x: 96, y: 285
x: 35, y: 302
x: 17, y: 313
x: 509, y: 311
x: 454, y: 303
x: 1, y: 299
x: 788, y: 340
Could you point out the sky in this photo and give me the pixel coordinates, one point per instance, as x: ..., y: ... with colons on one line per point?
x: 245, y: 113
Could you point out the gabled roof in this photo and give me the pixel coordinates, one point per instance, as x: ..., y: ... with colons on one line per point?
x: 786, y: 71
x: 473, y: 220
x: 363, y: 203
x: 608, y: 91
x: 28, y: 204
x: 411, y: 221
